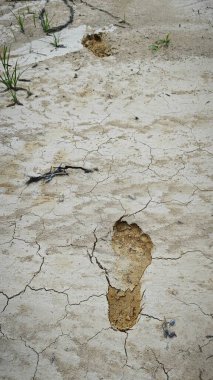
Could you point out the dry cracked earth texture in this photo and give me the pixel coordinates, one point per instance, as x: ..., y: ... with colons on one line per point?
x: 107, y: 274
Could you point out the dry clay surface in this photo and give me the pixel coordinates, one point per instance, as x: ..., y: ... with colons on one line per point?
x: 106, y: 274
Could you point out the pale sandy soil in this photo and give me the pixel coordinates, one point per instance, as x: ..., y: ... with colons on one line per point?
x: 94, y: 265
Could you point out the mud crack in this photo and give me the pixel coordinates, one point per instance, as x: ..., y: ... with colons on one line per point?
x: 132, y: 245
x: 104, y: 11
x: 59, y: 27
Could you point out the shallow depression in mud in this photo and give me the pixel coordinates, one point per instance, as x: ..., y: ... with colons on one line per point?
x: 131, y: 243
x: 97, y: 44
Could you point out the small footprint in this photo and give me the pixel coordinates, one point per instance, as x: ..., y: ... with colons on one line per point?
x: 132, y: 247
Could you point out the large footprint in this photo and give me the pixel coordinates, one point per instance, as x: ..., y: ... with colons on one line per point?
x: 132, y: 247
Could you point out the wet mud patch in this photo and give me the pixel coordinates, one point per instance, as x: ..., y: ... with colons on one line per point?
x: 97, y: 43
x: 124, y: 307
x: 129, y: 243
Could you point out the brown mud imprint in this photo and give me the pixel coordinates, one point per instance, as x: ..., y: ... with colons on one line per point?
x: 129, y: 242
x: 97, y: 44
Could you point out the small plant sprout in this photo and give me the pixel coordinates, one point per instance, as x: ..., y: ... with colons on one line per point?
x: 45, y: 21
x: 14, y: 99
x: 56, y: 41
x: 34, y: 19
x: 20, y: 18
x: 30, y: 12
x: 161, y: 43
x: 10, y: 75
x: 5, y: 57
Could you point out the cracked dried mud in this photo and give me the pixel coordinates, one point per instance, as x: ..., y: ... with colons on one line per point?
x: 93, y: 263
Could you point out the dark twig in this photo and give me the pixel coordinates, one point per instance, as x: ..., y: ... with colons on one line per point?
x: 58, y: 171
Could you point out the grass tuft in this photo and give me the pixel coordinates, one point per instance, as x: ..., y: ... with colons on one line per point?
x: 14, y: 99
x: 45, y: 22
x: 20, y: 18
x: 161, y: 43
x: 56, y: 42
x: 10, y: 75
